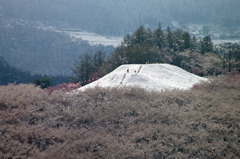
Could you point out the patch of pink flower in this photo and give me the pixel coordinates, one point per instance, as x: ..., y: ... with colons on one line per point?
x: 65, y: 87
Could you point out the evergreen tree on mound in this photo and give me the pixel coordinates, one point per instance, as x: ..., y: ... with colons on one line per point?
x: 174, y: 47
x: 206, y: 44
x: 87, y: 68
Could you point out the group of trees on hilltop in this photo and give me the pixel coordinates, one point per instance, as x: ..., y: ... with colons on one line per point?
x: 206, y: 45
x: 142, y: 46
x: 147, y: 45
x: 87, y: 68
x: 157, y: 46
x: 230, y: 56
x: 177, y: 40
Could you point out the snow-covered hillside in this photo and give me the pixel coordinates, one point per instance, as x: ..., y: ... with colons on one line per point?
x: 157, y: 77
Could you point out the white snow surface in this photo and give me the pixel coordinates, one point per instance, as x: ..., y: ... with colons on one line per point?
x: 152, y: 77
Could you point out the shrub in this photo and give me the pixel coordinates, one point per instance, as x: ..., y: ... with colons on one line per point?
x: 65, y: 87
x: 121, y: 122
x: 43, y: 82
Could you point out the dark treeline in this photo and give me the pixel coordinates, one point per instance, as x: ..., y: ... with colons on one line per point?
x: 10, y: 74
x: 88, y: 68
x: 147, y: 45
x: 29, y: 47
x: 230, y: 53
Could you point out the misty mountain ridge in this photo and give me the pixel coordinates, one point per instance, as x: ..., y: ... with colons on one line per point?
x: 117, y: 18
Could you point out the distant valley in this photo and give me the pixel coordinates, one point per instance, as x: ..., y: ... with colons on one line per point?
x: 91, y: 38
x: 28, y: 46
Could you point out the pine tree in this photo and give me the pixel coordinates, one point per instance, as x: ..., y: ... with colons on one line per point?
x: 127, y: 40
x: 159, y: 38
x: 231, y: 58
x: 187, y: 40
x: 149, y: 37
x: 178, y: 42
x: 83, y: 68
x: 193, y: 44
x: 206, y: 44
x: 140, y: 36
x: 98, y: 59
x: 88, y: 66
x: 78, y: 70
x: 169, y: 38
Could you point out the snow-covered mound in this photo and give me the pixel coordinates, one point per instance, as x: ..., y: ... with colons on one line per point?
x: 157, y: 77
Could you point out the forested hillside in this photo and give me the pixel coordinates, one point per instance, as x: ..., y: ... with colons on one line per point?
x: 39, y: 51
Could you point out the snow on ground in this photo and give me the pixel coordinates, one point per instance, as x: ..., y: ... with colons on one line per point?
x: 157, y: 77
x: 91, y: 38
x: 95, y: 39
x: 217, y: 42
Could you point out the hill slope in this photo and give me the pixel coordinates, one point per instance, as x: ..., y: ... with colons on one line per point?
x: 157, y: 77
x: 122, y: 123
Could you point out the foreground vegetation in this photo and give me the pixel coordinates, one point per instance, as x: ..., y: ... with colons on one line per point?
x: 203, y: 122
